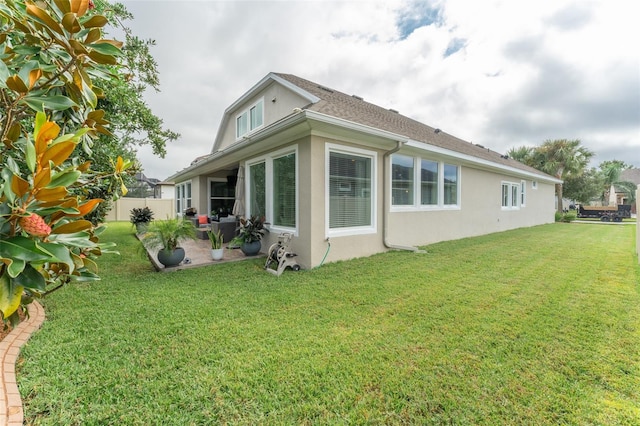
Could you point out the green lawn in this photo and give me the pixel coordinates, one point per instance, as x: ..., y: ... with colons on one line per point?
x: 533, y: 326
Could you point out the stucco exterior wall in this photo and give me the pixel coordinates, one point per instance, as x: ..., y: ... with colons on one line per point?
x: 480, y: 212
x: 278, y: 102
x: 311, y: 244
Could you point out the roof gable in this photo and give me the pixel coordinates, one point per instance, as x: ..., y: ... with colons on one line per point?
x: 308, y: 101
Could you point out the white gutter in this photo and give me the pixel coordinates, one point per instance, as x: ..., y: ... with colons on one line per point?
x: 475, y: 160
x: 426, y: 147
x: 386, y: 205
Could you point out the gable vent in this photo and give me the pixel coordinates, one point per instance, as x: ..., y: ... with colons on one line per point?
x: 358, y: 97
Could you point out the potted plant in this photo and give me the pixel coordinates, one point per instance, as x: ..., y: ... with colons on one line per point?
x: 166, y: 235
x: 216, y: 239
x: 250, y: 234
x: 140, y: 218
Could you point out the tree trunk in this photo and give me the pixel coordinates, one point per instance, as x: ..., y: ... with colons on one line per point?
x: 559, y: 194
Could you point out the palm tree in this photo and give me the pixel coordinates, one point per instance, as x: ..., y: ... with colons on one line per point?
x: 561, y: 158
x: 521, y: 153
x: 611, y: 171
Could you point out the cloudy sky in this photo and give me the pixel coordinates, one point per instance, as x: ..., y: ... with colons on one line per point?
x: 495, y: 72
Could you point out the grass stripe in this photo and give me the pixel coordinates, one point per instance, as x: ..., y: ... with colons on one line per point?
x: 531, y: 326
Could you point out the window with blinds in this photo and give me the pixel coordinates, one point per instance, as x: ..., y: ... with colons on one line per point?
x: 284, y: 190
x: 350, y: 184
x: 273, y: 189
x: 257, y: 189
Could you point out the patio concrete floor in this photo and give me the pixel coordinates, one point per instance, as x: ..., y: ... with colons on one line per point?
x: 198, y: 253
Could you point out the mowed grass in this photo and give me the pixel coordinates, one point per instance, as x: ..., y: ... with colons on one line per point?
x: 532, y: 326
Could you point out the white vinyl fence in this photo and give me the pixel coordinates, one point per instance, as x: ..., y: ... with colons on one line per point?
x: 161, y: 208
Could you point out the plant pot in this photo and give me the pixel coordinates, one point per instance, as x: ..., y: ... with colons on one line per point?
x: 251, y: 249
x: 141, y: 227
x: 171, y: 258
x: 217, y: 254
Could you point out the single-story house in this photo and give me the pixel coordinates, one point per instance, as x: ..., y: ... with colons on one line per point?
x: 164, y: 190
x: 341, y: 173
x: 620, y: 195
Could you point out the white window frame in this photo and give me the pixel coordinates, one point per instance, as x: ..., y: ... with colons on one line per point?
x: 417, y: 187
x: 353, y: 230
x: 523, y: 193
x: 413, y: 178
x: 513, y: 200
x: 268, y: 171
x: 534, y: 184
x: 183, y: 197
x: 247, y: 112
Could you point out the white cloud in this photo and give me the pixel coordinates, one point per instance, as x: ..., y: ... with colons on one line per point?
x: 524, y: 71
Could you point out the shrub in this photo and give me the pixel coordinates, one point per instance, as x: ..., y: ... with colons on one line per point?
x: 141, y: 215
x: 566, y: 217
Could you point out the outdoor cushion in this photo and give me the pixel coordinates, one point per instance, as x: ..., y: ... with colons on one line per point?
x: 203, y: 219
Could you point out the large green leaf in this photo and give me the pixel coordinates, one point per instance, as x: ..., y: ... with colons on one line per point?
x: 6, y: 189
x: 85, y: 276
x: 65, y: 179
x: 30, y: 155
x: 77, y: 239
x: 4, y: 74
x: 10, y: 296
x: 27, y: 68
x: 23, y: 248
x: 30, y: 278
x: 106, y: 49
x: 60, y: 252
x: 55, y: 102
x: 26, y: 50
x: 50, y: 210
x: 15, y: 267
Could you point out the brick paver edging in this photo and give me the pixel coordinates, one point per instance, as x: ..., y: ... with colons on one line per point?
x: 11, y: 411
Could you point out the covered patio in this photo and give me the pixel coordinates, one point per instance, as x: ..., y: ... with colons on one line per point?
x: 198, y: 253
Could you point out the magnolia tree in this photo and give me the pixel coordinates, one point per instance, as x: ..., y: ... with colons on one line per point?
x: 52, y: 59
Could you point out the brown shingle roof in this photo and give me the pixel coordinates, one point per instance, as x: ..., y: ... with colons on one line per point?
x: 630, y: 175
x: 354, y: 109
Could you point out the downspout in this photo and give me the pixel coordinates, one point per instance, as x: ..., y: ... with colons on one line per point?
x: 386, y: 207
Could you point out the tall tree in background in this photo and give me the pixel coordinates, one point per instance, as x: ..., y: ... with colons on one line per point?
x: 585, y: 187
x: 562, y: 158
x: 132, y: 123
x: 611, y: 171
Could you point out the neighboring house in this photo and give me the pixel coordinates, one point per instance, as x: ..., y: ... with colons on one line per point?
x: 620, y: 195
x: 164, y: 190
x: 143, y: 186
x: 333, y: 169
